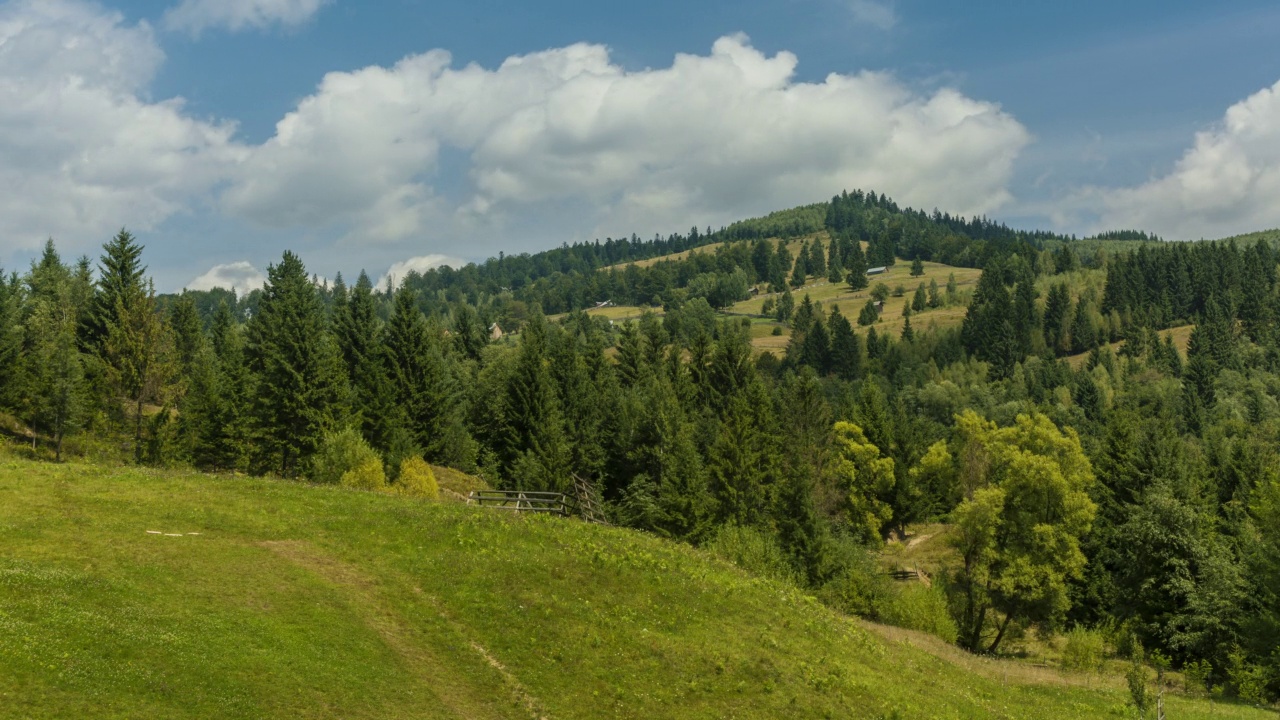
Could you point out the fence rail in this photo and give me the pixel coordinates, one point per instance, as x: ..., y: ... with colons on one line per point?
x: 522, y: 501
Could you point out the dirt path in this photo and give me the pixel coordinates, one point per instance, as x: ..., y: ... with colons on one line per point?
x: 444, y: 680
x: 917, y: 540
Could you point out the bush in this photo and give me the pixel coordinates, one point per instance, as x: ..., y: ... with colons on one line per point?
x: 917, y: 606
x: 777, y: 330
x: 368, y: 475
x: 342, y: 452
x: 417, y: 479
x: 857, y: 587
x: 1084, y: 651
x: 753, y: 551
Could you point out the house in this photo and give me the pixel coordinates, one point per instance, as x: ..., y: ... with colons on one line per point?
x: 877, y: 270
x: 605, y: 304
x: 495, y: 332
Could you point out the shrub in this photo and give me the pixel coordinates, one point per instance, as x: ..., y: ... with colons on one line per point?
x: 917, y: 606
x: 753, y: 551
x: 417, y: 479
x: 857, y: 587
x: 777, y: 330
x: 341, y: 452
x: 1084, y: 650
x: 368, y: 475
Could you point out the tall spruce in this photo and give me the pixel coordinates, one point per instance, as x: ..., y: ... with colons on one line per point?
x: 301, y: 390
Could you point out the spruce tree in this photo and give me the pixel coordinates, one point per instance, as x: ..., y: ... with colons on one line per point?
x: 856, y: 265
x: 817, y: 259
x: 815, y: 352
x: 120, y: 275
x: 534, y: 442
x: 137, y: 351
x: 869, y: 315
x: 300, y: 389
x: 920, y: 300
x: 53, y: 363
x: 935, y: 296
x: 424, y: 383
x: 846, y: 348
x: 917, y: 268
x: 361, y: 341
x: 835, y: 266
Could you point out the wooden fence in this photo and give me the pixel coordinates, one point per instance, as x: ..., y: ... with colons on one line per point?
x: 523, y: 501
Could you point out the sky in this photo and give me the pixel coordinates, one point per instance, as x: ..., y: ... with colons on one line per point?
x: 405, y: 134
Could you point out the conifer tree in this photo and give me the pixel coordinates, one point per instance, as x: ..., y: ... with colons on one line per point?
x: 188, y: 335
x: 815, y: 352
x: 120, y: 275
x: 817, y: 260
x: 856, y: 267
x: 11, y: 389
x: 907, y: 333
x: 786, y: 306
x: 920, y: 300
x: 137, y: 352
x: 424, y: 384
x: 360, y: 338
x: 738, y: 464
x: 870, y: 314
x: 846, y: 348
x: 300, y: 392
x: 54, y: 364
x: 534, y: 436
x: 917, y: 268
x: 935, y: 296
x: 835, y: 265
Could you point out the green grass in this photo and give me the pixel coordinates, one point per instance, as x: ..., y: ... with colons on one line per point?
x: 299, y: 601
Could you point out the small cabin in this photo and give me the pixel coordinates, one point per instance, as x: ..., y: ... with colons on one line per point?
x: 877, y: 270
x: 495, y: 332
x: 604, y: 304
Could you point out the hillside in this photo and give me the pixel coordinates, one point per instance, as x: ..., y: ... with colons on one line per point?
x: 139, y: 593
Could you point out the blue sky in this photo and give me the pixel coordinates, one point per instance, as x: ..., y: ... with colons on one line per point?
x: 400, y: 134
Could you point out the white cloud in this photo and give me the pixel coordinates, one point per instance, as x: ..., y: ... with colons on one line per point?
x: 82, y: 152
x: 876, y: 13
x: 706, y: 140
x: 195, y: 16
x: 241, y: 276
x: 421, y: 264
x: 1226, y: 184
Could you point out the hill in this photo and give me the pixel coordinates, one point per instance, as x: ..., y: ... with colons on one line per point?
x: 141, y: 593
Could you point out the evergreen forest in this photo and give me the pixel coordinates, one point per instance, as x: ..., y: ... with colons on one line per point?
x: 1097, y: 434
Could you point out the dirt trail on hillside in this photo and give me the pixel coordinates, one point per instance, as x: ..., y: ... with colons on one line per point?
x: 462, y: 699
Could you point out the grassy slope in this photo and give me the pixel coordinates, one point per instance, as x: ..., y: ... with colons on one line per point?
x: 297, y: 601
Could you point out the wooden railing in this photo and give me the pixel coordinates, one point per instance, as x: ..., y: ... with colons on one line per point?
x: 523, y: 501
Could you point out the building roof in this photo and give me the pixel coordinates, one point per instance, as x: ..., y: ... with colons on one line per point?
x: 877, y: 270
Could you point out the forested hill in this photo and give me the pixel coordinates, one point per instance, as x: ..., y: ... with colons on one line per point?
x: 1092, y: 436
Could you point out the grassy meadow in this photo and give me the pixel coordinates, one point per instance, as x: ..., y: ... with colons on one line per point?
x: 130, y: 593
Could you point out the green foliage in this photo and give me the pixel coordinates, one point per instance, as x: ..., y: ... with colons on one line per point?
x: 866, y: 479
x: 302, y: 390
x: 343, y: 452
x: 870, y: 314
x: 754, y: 551
x: 880, y: 292
x: 1020, y: 527
x: 1085, y: 650
x: 916, y: 606
x: 917, y: 268
x: 368, y: 475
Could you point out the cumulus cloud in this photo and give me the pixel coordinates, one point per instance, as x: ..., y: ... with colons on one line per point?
x: 397, y: 272
x: 875, y: 13
x: 706, y: 140
x: 81, y: 149
x: 1226, y: 184
x: 196, y: 16
x: 241, y: 276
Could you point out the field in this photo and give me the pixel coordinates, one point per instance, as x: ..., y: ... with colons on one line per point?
x: 128, y: 593
x: 850, y: 303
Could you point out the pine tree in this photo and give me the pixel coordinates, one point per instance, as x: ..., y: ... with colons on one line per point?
x: 786, y: 306
x: 53, y: 362
x: 137, y: 352
x: 817, y: 260
x: 300, y: 392
x: 361, y: 341
x: 920, y: 301
x: 424, y: 384
x: 738, y: 463
x: 907, y: 333
x: 835, y: 266
x: 917, y: 268
x: 534, y: 442
x: 857, y: 268
x: 188, y: 335
x: 815, y: 352
x: 11, y: 329
x: 846, y: 348
x: 870, y: 314
x: 935, y: 296
x: 120, y: 275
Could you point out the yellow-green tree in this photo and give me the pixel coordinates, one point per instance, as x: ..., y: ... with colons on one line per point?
x: 1019, y: 527
x: 866, y: 479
